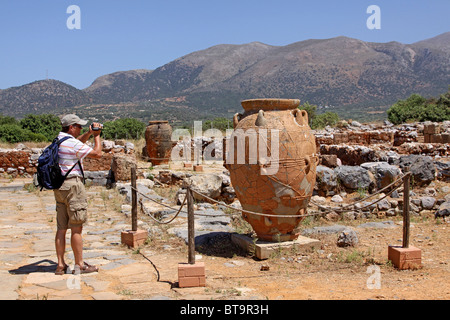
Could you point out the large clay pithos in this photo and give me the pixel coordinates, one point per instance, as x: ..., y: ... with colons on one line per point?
x: 158, y: 138
x: 261, y: 189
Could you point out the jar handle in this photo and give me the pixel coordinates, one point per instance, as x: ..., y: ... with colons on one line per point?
x: 309, y: 161
x: 301, y: 116
x: 260, y: 120
x: 307, y: 164
x: 236, y: 119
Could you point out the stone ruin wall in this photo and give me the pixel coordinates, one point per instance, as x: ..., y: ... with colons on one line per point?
x: 428, y: 132
x: 22, y: 161
x: 350, y: 145
x: 356, y: 144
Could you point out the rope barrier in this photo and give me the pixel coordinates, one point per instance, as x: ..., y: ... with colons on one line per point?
x: 151, y: 216
x: 335, y: 209
x: 251, y: 212
x: 368, y: 197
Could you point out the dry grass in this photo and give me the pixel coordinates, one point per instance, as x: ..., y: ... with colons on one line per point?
x: 138, y: 145
x: 6, y: 145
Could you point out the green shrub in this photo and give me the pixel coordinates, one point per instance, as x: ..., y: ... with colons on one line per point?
x: 7, y: 120
x: 325, y: 119
x: 319, y: 121
x: 126, y: 128
x: 220, y: 123
x: 47, y: 125
x: 13, y: 133
x: 418, y: 109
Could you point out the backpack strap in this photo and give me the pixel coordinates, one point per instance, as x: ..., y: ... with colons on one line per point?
x: 81, y: 168
x: 59, y: 141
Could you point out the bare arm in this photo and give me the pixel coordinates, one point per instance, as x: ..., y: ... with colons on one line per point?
x: 85, y: 137
x: 96, y: 152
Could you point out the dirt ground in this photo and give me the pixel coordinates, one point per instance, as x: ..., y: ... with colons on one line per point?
x: 330, y: 273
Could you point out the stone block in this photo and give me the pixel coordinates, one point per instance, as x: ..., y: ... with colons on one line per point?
x: 445, y: 137
x: 133, y: 239
x: 431, y: 128
x: 191, y: 275
x: 405, y: 258
x: 121, y: 166
x: 198, y: 168
x: 264, y: 249
x: 436, y: 138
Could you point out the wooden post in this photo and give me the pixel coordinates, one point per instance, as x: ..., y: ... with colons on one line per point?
x: 405, y: 257
x: 406, y: 180
x: 134, y: 237
x: 133, y: 199
x: 191, y: 232
x: 191, y: 274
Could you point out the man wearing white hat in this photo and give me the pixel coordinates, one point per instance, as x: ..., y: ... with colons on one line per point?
x: 71, y: 199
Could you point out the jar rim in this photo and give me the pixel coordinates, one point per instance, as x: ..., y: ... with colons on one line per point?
x: 157, y: 121
x: 270, y: 104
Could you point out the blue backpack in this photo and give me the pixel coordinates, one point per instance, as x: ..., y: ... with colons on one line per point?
x: 49, y: 175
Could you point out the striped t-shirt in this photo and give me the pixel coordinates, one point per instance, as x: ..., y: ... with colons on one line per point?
x: 70, y: 151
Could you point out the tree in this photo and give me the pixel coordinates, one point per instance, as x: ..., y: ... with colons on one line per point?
x: 127, y: 128
x: 319, y: 121
x: 220, y: 123
x: 407, y: 110
x: 417, y: 109
x: 7, y: 120
x: 13, y: 133
x: 325, y: 119
x: 47, y: 125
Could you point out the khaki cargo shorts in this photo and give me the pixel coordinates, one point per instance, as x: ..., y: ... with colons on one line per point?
x: 71, y: 204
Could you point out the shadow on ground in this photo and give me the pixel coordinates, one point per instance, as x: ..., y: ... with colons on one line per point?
x: 218, y: 244
x: 39, y: 266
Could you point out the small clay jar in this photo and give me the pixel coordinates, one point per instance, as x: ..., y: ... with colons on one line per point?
x: 158, y: 138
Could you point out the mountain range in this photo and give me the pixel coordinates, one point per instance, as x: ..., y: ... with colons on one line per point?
x: 353, y: 77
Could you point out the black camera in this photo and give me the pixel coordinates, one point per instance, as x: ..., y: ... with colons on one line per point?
x: 97, y: 128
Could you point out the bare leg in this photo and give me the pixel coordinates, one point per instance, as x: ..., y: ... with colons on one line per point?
x: 60, y: 244
x: 77, y: 245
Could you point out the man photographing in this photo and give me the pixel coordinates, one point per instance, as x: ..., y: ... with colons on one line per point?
x: 71, y: 199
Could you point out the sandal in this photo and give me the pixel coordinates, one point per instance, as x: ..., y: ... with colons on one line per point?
x: 61, y: 270
x: 87, y: 268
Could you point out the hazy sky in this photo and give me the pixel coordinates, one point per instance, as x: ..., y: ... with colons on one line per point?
x: 40, y: 37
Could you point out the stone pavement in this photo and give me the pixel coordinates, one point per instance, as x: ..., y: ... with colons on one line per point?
x: 28, y: 259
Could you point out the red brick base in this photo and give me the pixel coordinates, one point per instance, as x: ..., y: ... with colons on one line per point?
x: 134, y: 239
x: 405, y: 258
x: 191, y: 275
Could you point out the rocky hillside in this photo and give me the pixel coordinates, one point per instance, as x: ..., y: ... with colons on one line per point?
x: 347, y: 73
x: 338, y: 71
x: 118, y: 87
x: 44, y: 96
